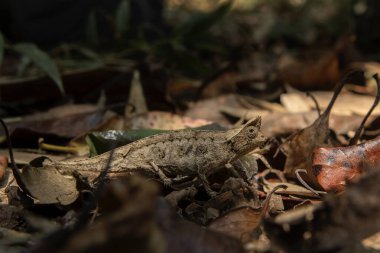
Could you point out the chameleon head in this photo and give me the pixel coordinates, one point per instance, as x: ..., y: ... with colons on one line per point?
x: 248, y: 137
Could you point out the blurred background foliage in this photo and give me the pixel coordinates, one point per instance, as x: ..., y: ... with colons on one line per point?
x: 186, y: 38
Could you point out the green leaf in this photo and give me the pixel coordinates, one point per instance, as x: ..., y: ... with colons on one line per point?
x: 200, y: 23
x: 23, y: 66
x: 100, y: 142
x: 122, y: 18
x: 41, y: 60
x: 2, y: 45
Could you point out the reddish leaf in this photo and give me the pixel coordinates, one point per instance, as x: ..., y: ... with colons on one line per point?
x: 333, y: 167
x: 299, y: 146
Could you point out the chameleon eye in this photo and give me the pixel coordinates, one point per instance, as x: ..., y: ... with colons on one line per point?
x: 251, y: 132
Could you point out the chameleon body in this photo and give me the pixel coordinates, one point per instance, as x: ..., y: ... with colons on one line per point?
x: 178, y: 154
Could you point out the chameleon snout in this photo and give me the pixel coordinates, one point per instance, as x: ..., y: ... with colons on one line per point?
x: 261, y: 140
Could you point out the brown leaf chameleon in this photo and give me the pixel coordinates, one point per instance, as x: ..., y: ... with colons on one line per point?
x: 177, y: 155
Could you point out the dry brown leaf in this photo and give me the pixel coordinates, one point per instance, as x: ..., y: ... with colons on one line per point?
x: 340, y: 222
x: 163, y: 120
x: 299, y: 147
x: 48, y: 186
x: 239, y: 223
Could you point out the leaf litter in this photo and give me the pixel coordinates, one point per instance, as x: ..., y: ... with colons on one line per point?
x: 264, y: 203
x: 236, y: 214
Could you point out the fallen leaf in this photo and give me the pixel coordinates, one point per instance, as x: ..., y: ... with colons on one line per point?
x: 57, y: 129
x: 346, y: 104
x: 49, y: 186
x: 201, y: 109
x: 313, y: 71
x: 163, y: 120
x: 338, y: 223
x: 299, y: 146
x: 183, y: 236
x: 13, y: 240
x: 239, y: 223
x: 334, y: 167
x: 136, y: 97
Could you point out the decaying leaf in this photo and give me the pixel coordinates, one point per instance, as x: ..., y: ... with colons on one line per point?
x: 186, y: 237
x: 347, y: 104
x: 49, y: 186
x: 339, y: 223
x: 13, y: 240
x: 136, y: 97
x: 163, y: 120
x: 298, y: 147
x: 322, y: 70
x: 60, y: 124
x: 334, y: 167
x: 239, y: 223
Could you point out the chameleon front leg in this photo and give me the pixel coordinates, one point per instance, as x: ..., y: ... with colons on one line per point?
x: 202, y: 176
x: 262, y: 158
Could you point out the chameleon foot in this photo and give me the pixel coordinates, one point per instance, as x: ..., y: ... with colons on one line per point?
x: 165, y: 180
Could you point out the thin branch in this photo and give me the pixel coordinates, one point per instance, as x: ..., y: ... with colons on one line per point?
x: 315, y: 102
x: 15, y: 170
x: 359, y: 131
x: 303, y: 182
x: 265, y: 209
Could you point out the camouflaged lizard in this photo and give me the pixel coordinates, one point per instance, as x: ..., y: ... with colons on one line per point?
x: 176, y: 155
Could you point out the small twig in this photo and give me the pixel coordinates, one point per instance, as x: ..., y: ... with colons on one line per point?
x: 338, y: 88
x: 315, y: 102
x: 375, y: 132
x: 302, y: 203
x: 359, y: 131
x: 15, y: 170
x: 265, y: 209
x: 303, y: 182
x: 278, y: 173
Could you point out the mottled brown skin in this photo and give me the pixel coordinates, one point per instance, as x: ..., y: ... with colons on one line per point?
x: 178, y: 154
